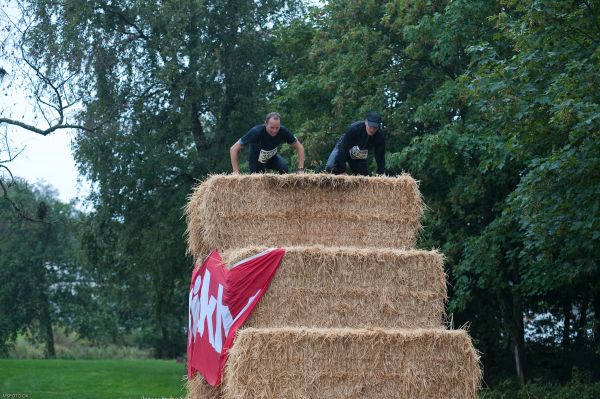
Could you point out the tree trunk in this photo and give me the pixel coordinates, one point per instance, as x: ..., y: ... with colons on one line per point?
x: 581, y: 322
x: 596, y: 304
x: 46, y: 322
x: 166, y: 351
x: 512, y: 316
x: 229, y: 62
x: 227, y: 108
x: 45, y: 315
x: 192, y: 93
x: 42, y: 286
x: 566, y: 334
x: 197, y: 130
x: 163, y: 309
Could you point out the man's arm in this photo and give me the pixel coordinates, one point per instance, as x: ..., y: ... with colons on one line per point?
x: 250, y: 137
x: 344, y: 147
x: 380, y: 155
x: 233, y: 154
x: 300, y: 149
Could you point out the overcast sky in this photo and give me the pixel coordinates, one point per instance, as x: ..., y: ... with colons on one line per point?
x: 48, y: 159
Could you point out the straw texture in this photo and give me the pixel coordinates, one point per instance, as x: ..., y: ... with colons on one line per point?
x: 350, y: 363
x: 227, y: 211
x: 198, y: 388
x: 319, y: 286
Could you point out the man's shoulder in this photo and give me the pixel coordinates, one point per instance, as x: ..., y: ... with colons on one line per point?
x: 253, y: 135
x: 257, y: 129
x: 356, y: 125
x: 355, y: 128
x: 285, y: 130
x: 286, y: 135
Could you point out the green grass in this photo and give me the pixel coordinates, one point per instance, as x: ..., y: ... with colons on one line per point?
x: 93, y: 379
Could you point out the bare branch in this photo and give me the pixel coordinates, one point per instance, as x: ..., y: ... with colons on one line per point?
x: 11, y: 157
x: 12, y: 178
x: 44, y: 132
x: 59, y: 108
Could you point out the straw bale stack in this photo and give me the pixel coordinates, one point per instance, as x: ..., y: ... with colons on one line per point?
x: 229, y: 211
x: 351, y: 363
x: 354, y: 310
x: 320, y: 286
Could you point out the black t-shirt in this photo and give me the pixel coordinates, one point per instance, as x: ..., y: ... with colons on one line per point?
x: 265, y: 143
x: 355, y: 144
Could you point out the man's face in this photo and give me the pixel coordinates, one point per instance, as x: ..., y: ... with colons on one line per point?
x: 370, y: 130
x: 273, y: 126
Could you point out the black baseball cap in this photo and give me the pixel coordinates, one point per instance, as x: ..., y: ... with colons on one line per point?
x: 373, y: 119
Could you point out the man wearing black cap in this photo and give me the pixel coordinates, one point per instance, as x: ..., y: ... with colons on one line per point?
x: 353, y: 147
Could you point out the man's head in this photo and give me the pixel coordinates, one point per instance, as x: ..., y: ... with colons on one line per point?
x: 273, y: 123
x: 372, y: 123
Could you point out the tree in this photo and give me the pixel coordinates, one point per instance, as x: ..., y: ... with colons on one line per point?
x: 39, y: 263
x: 487, y: 110
x: 526, y: 128
x: 168, y: 87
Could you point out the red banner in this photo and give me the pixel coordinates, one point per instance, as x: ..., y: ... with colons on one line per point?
x: 220, y: 301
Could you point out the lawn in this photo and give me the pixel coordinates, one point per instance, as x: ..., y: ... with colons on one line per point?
x: 93, y: 379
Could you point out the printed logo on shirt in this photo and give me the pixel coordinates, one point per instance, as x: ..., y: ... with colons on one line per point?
x: 264, y: 156
x: 357, y: 153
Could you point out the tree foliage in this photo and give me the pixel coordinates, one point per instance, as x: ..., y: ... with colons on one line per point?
x: 493, y: 106
x: 44, y: 278
x: 166, y: 88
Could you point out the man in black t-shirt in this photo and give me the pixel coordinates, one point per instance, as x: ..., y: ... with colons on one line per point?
x: 353, y: 147
x: 264, y: 141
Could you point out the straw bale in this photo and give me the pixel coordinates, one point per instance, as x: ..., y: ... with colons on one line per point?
x: 228, y: 211
x: 198, y: 388
x: 319, y: 286
x: 349, y: 363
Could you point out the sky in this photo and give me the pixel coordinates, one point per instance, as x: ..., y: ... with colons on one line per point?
x: 48, y: 159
